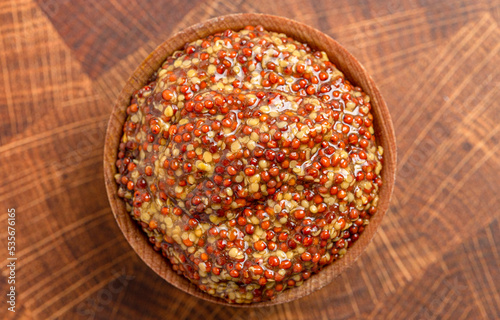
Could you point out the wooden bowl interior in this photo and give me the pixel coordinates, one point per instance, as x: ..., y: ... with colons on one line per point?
x: 353, y: 71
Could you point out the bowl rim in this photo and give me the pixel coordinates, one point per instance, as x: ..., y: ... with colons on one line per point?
x: 355, y: 73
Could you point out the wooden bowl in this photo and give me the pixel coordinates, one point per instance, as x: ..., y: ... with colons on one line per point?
x: 345, y: 62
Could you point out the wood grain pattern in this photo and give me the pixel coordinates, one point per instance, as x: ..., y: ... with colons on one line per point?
x: 436, y: 255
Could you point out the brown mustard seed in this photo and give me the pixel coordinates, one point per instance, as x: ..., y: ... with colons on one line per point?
x: 250, y: 162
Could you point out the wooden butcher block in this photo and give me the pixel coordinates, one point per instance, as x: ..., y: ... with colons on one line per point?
x: 436, y: 254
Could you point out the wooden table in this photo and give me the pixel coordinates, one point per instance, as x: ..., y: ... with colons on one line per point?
x: 437, y: 64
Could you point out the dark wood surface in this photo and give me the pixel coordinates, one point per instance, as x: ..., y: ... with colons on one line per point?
x: 436, y: 255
